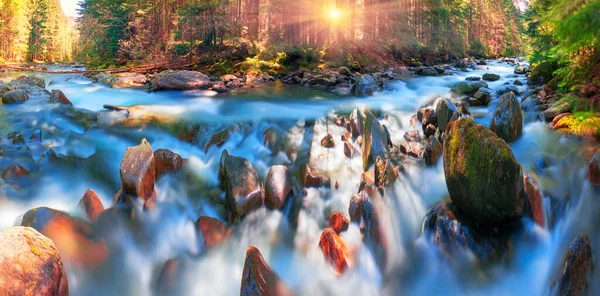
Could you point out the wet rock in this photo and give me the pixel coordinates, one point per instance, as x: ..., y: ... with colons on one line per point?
x: 412, y: 136
x: 466, y: 89
x: 530, y: 104
x: 375, y: 140
x: 137, y: 171
x: 385, y: 173
x: 483, y: 177
x: 518, y: 82
x: 311, y: 180
x: 535, y: 201
x: 355, y: 208
x: 180, y: 80
x: 429, y: 116
x: 90, y: 203
x: 430, y: 130
x: 508, y: 89
x: 213, y: 230
x: 166, y: 161
x: 519, y: 69
x: 344, y: 71
x: 15, y: 96
x: 17, y: 138
x: 243, y: 190
x: 133, y: 80
x: 30, y: 264
x: 57, y: 96
x: 507, y: 120
x: 578, y: 266
x: 338, y: 222
x: 189, y: 134
x: 414, y: 148
x: 473, y: 78
x: 427, y: 71
x: 433, y: 151
x: 346, y: 136
x: 167, y: 282
x: 33, y: 80
x: 259, y: 279
x: 593, y: 174
x: 365, y: 86
x: 104, y: 78
x: 334, y: 250
x: 484, y: 95
x: 327, y: 141
x: 348, y: 149
x: 36, y: 135
x: 14, y: 172
x: 278, y: 187
x: 491, y: 77
x: 445, y: 111
x: 376, y: 238
x: 217, y: 139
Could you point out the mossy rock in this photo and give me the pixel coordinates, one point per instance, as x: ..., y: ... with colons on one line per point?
x: 465, y: 88
x: 483, y: 177
x: 507, y: 120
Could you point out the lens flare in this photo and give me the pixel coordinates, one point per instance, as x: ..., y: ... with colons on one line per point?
x: 335, y: 14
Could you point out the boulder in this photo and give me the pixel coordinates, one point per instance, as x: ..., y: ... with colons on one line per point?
x: 593, y: 174
x: 427, y: 71
x: 365, y: 86
x: 278, y: 187
x: 57, y: 96
x: 385, y: 173
x: 166, y: 161
x: 428, y: 116
x: 491, y: 77
x: 484, y: 95
x: 138, y: 172
x: 17, y: 139
x: 375, y: 140
x: 578, y: 265
x: 483, y: 178
x: 104, y: 78
x: 217, y: 139
x: 530, y: 104
x: 518, y: 82
x: 335, y: 251
x: 507, y: 120
x: 327, y: 141
x: 243, y: 190
x: 90, y: 203
x: 465, y: 88
x: 33, y: 80
x: 473, y: 78
x: 30, y: 264
x: 259, y: 279
x: 15, y: 96
x: 433, y: 151
x: 133, y: 80
x: 446, y: 111
x: 213, y: 230
x: 180, y: 80
x: 507, y: 89
x: 14, y: 172
x: 311, y: 180
x: 338, y: 222
x: 520, y: 69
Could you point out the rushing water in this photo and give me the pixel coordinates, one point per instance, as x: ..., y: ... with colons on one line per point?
x: 137, y: 252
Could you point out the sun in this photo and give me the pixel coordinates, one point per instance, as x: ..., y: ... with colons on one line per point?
x: 335, y: 14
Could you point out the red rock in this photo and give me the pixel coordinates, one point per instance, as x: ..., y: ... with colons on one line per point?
x: 137, y: 171
x: 338, y: 222
x: 259, y: 279
x: 243, y: 190
x: 356, y: 207
x: 593, y: 170
x: 59, y: 97
x: 311, y: 180
x: 430, y: 130
x: 14, y: 172
x: 535, y: 201
x: 348, y: 149
x: 327, y: 141
x: 278, y: 186
x: 91, y: 204
x: 578, y: 265
x: 346, y: 136
x: 30, y: 264
x: 166, y: 161
x: 213, y: 230
x: 385, y: 173
x: 335, y: 251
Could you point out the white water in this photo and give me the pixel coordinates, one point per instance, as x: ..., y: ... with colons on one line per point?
x: 416, y: 266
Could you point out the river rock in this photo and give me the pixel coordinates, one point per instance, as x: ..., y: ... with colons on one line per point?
x: 243, y: 191
x: 104, y: 78
x: 338, y: 222
x: 259, y: 279
x: 90, y: 203
x: 327, y: 141
x: 278, y: 187
x: 491, y: 77
x: 483, y: 177
x: 57, y: 96
x: 167, y: 281
x: 180, y: 80
x: 484, y: 95
x: 166, y: 161
x: 14, y: 172
x: 138, y: 171
x: 518, y: 82
x: 506, y: 89
x: 365, y: 86
x: 17, y: 139
x: 446, y: 111
x: 536, y: 202
x: 375, y: 140
x: 473, y: 78
x: 433, y: 151
x: 593, y: 174
x: 344, y: 71
x: 217, y: 139
x: 133, y: 80
x: 507, y: 120
x: 427, y: 71
x: 578, y: 266
x: 213, y: 230
x: 335, y: 251
x: 15, y: 96
x: 519, y: 69
x: 30, y: 264
x: 465, y: 88
x: 33, y: 80
x: 530, y: 104
x: 428, y: 116
x: 310, y: 179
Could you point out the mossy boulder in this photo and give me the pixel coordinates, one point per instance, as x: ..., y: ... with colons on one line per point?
x: 446, y: 111
x: 243, y: 189
x: 465, y: 88
x: 15, y: 96
x: 33, y: 80
x: 483, y: 177
x: 180, y: 80
x: 491, y: 77
x: 375, y: 139
x: 507, y: 121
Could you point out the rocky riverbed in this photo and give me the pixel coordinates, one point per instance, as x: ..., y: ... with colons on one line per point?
x: 444, y: 179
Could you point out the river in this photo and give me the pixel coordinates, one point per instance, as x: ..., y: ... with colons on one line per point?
x: 416, y: 268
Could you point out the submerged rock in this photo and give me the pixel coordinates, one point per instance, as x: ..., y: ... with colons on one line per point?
x: 138, y: 172
x: 335, y: 251
x: 14, y: 172
x: 259, y: 279
x: 213, y: 230
x: 30, y: 264
x: 243, y: 190
x: 90, y: 203
x: 507, y: 120
x: 593, y: 174
x: 278, y: 187
x: 578, y: 266
x: 483, y: 177
x: 180, y: 80
x: 15, y: 96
